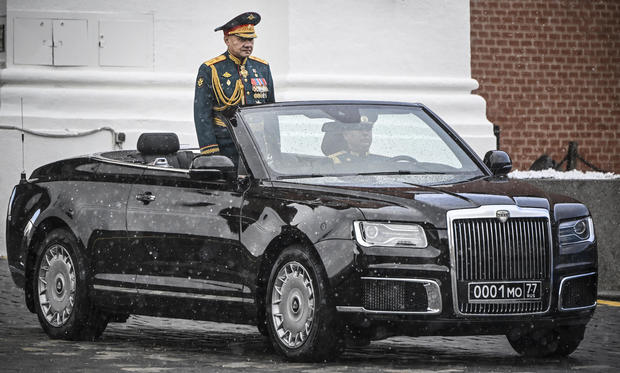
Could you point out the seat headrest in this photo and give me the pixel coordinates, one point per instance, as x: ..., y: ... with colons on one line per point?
x: 333, y: 142
x: 158, y: 143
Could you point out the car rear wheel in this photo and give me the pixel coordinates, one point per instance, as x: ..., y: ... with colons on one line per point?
x: 301, y: 321
x: 61, y: 295
x: 561, y: 341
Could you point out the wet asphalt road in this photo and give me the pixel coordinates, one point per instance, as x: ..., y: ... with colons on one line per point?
x: 146, y: 344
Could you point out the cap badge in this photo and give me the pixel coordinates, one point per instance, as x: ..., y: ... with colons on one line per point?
x: 502, y: 215
x: 251, y: 17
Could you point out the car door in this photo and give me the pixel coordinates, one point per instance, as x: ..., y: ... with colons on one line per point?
x: 114, y: 263
x: 186, y: 234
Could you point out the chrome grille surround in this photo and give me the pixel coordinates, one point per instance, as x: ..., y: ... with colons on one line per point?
x: 565, y: 282
x: 500, y: 308
x: 433, y: 295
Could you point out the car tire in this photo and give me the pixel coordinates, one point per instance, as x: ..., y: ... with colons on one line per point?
x: 60, y: 285
x: 300, y: 317
x: 561, y: 341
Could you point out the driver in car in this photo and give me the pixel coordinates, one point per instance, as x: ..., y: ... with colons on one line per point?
x: 347, y: 142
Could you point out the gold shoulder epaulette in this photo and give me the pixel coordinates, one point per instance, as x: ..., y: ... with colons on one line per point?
x: 259, y: 60
x: 334, y: 157
x: 215, y: 60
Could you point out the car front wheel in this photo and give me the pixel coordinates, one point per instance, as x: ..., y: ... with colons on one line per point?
x: 63, y: 307
x: 301, y: 321
x: 561, y: 341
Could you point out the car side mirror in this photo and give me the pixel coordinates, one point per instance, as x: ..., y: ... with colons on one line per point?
x: 210, y: 167
x: 498, y: 162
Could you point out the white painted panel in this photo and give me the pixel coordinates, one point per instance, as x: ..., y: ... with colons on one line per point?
x: 70, y: 42
x: 125, y: 43
x: 32, y: 41
x: 402, y: 50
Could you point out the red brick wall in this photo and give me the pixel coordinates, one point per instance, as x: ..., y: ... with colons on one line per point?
x: 550, y: 73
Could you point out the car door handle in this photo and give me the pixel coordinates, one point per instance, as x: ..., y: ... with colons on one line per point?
x: 146, y: 197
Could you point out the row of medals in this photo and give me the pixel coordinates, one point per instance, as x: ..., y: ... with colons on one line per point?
x: 260, y: 91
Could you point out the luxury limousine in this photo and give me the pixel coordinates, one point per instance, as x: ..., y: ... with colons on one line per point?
x: 334, y: 223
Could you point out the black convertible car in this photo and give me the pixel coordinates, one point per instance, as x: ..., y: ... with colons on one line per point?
x: 338, y: 222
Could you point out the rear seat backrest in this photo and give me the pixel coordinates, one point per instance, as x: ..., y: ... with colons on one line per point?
x: 159, y: 145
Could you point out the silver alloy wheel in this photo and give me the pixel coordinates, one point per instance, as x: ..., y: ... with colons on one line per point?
x: 56, y: 285
x: 292, y: 304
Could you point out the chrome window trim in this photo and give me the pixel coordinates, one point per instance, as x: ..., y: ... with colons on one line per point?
x: 489, y: 211
x: 138, y: 165
x: 429, y: 286
x: 562, y: 288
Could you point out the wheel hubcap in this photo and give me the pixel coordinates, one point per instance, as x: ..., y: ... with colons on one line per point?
x: 56, y: 284
x: 292, y: 304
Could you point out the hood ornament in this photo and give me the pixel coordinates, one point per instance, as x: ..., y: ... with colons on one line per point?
x: 502, y: 215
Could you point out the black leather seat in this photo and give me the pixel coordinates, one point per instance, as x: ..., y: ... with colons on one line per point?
x: 159, y: 145
x: 185, y: 158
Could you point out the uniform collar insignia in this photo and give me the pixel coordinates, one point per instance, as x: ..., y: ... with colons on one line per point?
x: 236, y: 60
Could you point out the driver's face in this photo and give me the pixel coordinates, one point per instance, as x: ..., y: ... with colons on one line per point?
x: 358, y: 141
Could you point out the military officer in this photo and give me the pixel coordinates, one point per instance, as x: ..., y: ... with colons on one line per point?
x: 234, y: 78
x: 348, y: 142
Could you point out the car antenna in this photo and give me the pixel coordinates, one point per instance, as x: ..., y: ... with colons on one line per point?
x: 22, y: 178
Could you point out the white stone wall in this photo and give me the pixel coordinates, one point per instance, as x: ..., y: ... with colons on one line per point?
x: 3, y: 24
x: 401, y: 50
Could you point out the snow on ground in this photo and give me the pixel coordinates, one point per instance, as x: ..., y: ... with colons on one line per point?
x: 566, y: 175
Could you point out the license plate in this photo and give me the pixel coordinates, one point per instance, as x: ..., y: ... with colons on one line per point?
x: 504, y: 291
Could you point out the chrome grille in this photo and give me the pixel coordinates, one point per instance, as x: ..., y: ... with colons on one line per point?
x: 488, y: 250
x: 501, y: 308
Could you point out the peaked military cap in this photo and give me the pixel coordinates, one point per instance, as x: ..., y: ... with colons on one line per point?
x: 342, y: 126
x: 242, y: 25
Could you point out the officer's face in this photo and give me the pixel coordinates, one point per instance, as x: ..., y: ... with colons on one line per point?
x: 239, y: 47
x: 359, y: 141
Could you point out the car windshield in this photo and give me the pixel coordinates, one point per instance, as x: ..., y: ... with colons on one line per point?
x: 362, y: 139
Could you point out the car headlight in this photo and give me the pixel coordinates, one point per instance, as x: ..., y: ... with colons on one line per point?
x: 575, y: 232
x: 389, y: 234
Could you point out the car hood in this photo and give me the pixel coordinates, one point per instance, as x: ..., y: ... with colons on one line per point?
x: 402, y: 198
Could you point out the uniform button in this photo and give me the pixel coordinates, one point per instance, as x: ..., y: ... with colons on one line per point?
x: 248, y: 92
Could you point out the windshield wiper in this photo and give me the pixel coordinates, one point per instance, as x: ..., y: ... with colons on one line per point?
x: 476, y: 177
x: 303, y: 176
x: 401, y: 172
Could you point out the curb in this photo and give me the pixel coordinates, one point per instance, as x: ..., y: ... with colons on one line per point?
x: 609, y: 295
